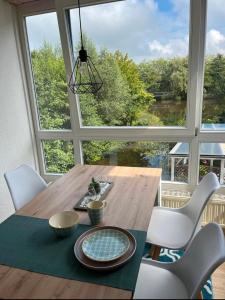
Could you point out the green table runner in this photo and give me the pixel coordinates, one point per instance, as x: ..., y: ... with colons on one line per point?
x: 29, y: 243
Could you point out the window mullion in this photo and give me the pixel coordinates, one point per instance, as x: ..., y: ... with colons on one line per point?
x: 73, y: 102
x: 196, y: 76
x: 196, y: 61
x: 78, y: 151
x: 193, y: 162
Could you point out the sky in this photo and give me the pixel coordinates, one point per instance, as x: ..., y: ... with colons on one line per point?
x: 145, y: 29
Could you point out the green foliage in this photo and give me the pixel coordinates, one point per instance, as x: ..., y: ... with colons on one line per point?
x: 113, y: 97
x: 126, y: 99
x: 133, y: 154
x: 178, y: 77
x: 88, y: 105
x: 215, y: 76
x: 139, y: 99
x: 203, y: 170
x: 150, y: 73
x: 214, y: 89
x: 123, y: 95
x: 167, y: 76
x: 58, y: 156
x: 97, y: 152
x: 51, y: 88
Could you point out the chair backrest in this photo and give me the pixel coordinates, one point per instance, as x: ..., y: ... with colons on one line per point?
x: 201, y: 258
x: 24, y: 184
x: 200, y: 197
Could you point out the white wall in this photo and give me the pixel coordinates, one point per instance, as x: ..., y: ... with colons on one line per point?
x: 16, y: 145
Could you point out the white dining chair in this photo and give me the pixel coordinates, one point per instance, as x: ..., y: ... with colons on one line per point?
x: 174, y: 228
x: 185, y: 278
x: 24, y: 184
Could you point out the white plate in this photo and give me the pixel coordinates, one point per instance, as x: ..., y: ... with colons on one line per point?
x: 105, y: 245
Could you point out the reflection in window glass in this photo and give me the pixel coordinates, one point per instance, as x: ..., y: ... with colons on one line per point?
x: 173, y: 161
x: 48, y: 71
x: 212, y: 158
x: 143, y: 64
x: 213, y: 117
x: 58, y: 156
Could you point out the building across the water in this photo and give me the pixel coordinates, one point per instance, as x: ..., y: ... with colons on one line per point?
x: 212, y: 155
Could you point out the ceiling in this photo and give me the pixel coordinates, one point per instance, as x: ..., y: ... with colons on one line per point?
x: 19, y: 2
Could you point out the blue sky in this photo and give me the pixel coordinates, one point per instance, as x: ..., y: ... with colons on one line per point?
x: 145, y: 29
x: 164, y: 5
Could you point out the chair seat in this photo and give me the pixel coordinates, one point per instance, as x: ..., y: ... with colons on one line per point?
x: 169, y: 229
x: 158, y: 283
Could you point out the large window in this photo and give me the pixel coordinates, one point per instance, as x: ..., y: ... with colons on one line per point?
x: 214, y: 83
x: 148, y: 111
x: 141, y: 51
x: 49, y: 74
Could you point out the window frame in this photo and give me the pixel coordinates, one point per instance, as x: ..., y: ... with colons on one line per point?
x: 191, y: 134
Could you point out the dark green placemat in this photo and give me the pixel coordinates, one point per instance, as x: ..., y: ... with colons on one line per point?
x: 29, y: 243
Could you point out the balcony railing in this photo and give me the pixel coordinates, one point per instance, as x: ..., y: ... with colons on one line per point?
x: 214, y: 211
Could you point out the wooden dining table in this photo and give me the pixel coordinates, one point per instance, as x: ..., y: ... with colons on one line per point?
x: 129, y: 205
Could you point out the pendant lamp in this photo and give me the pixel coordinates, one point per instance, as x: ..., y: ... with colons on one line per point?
x: 85, y: 78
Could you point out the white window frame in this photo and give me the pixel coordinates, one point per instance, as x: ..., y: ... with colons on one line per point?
x: 191, y: 134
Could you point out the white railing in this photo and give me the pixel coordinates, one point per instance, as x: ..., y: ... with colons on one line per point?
x: 214, y: 212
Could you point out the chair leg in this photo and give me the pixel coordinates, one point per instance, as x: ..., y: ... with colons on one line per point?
x: 156, y: 252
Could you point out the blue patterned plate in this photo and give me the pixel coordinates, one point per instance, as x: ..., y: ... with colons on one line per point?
x: 105, y: 245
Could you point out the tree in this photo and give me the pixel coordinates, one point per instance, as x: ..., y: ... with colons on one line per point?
x: 88, y: 108
x: 51, y: 87
x: 215, y: 76
x: 155, y: 75
x: 139, y: 99
x: 114, y: 94
x: 88, y: 102
x: 150, y: 73
x: 167, y: 77
x: 178, y: 78
x: 214, y: 89
x: 123, y: 97
x: 58, y: 156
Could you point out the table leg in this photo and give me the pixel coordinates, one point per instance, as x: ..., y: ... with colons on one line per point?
x: 156, y: 252
x: 158, y: 201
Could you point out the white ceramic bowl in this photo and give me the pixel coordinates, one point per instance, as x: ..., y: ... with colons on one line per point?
x: 64, y: 223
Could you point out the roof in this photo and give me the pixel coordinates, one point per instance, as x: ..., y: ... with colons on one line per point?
x: 209, y: 150
x: 211, y: 126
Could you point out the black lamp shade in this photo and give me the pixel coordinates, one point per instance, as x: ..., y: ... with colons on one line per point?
x: 85, y: 78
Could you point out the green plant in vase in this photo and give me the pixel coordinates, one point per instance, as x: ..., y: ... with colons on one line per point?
x: 94, y: 187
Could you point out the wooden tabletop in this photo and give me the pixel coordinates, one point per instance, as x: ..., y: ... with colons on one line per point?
x: 129, y: 205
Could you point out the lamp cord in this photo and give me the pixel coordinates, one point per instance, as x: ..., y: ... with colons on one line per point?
x: 81, y: 35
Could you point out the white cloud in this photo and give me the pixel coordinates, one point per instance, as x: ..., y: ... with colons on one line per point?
x: 137, y: 27
x: 158, y: 48
x: 215, y: 37
x: 175, y: 47
x: 131, y: 25
x: 215, y: 42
